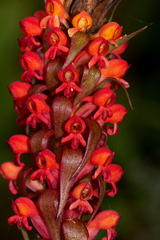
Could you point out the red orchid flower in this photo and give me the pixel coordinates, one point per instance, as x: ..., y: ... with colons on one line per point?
x: 82, y: 193
x: 39, y: 111
x: 104, y: 99
x: 56, y: 15
x: 117, y: 69
x: 33, y: 65
x: 10, y: 171
x: 57, y: 39
x: 24, y: 209
x: 68, y: 76
x: 119, y: 112
x: 19, y: 91
x: 110, y: 31
x: 101, y: 157
x: 75, y: 126
x: 115, y: 175
x: 81, y: 22
x: 98, y: 48
x: 107, y: 219
x: 19, y: 144
x: 48, y: 168
x: 30, y: 27
x: 25, y: 44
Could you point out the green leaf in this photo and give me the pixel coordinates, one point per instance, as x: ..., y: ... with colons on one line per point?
x: 74, y: 229
x: 78, y: 41
x: 125, y: 38
x: 47, y: 206
x: 88, y: 83
x: 93, y: 139
x: 71, y: 159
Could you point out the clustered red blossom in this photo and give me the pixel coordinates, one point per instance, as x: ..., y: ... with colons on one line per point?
x: 66, y: 101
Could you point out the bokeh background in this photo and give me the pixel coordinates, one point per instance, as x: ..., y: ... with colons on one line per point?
x: 137, y: 144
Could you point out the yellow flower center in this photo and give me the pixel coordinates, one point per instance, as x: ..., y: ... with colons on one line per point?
x: 68, y: 76
x: 82, y: 23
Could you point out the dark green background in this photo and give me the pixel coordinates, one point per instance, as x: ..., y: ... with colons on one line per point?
x: 137, y: 144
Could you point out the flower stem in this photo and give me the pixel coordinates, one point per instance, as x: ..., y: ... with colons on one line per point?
x: 24, y: 234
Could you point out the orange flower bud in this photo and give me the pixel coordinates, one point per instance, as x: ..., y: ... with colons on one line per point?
x: 117, y: 68
x: 19, y: 144
x: 30, y: 26
x: 10, y: 171
x: 110, y: 31
x: 24, y: 207
x: 119, y: 112
x: 116, y: 172
x: 31, y: 61
x: 101, y: 156
x: 19, y: 90
x: 105, y: 220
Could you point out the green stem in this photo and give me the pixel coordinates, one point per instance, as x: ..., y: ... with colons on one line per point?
x: 24, y: 234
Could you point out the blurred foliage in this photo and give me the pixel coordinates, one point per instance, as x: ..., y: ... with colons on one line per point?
x: 137, y: 144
